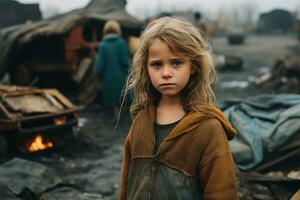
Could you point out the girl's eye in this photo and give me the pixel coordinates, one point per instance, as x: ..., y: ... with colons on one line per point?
x: 177, y: 63
x: 155, y: 65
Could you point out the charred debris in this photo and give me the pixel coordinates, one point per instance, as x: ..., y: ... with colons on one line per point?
x: 33, y: 120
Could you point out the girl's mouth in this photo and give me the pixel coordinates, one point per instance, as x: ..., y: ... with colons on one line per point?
x: 167, y: 85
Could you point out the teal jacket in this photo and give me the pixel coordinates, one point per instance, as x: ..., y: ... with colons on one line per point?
x: 111, y: 66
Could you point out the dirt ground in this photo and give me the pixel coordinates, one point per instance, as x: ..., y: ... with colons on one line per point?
x: 93, y: 160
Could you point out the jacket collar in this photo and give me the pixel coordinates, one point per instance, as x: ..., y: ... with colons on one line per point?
x: 192, y: 120
x: 111, y: 36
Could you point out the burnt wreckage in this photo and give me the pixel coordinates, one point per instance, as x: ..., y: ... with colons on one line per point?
x: 59, y: 52
x: 34, y: 119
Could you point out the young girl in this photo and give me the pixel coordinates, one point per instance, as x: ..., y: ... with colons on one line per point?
x: 177, y: 145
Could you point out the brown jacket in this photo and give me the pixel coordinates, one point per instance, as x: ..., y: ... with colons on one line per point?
x: 193, y: 162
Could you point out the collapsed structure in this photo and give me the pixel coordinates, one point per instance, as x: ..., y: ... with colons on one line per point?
x: 61, y: 50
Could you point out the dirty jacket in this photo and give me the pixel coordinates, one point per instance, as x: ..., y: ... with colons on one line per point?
x: 193, y: 162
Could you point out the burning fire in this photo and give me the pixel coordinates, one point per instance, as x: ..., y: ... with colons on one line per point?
x: 39, y: 143
x: 60, y: 120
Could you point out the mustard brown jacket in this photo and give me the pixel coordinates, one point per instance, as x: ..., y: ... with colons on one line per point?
x: 193, y: 162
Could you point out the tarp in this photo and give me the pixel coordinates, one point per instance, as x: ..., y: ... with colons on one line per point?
x: 264, y: 124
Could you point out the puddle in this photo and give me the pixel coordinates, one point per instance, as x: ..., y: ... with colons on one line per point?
x: 235, y: 84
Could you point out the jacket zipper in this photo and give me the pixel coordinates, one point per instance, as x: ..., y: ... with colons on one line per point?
x: 154, y: 158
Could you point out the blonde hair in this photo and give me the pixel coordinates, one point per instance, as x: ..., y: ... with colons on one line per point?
x: 112, y: 26
x: 185, y: 40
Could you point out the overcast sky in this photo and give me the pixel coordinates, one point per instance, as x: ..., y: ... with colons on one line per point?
x: 143, y: 8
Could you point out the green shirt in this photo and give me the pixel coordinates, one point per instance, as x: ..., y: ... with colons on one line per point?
x: 161, y: 131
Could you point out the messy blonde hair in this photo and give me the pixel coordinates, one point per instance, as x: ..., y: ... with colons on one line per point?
x: 184, y: 40
x: 112, y: 26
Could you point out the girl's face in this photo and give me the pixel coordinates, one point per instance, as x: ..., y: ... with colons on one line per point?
x: 169, y: 73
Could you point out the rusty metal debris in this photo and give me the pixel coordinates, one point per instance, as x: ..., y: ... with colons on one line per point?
x: 28, y: 114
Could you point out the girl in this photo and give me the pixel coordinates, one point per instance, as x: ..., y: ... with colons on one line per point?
x: 177, y: 145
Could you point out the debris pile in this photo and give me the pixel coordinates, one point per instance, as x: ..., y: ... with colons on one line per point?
x: 267, y: 146
x: 33, y: 119
x: 283, y: 78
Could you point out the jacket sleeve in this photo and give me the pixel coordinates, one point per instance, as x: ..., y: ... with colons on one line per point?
x: 216, y: 168
x: 125, y: 56
x: 125, y: 167
x: 99, y: 62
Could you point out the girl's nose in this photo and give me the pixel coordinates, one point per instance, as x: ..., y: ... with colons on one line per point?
x: 167, y: 72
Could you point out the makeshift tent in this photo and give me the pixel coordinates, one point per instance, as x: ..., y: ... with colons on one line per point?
x: 13, y: 39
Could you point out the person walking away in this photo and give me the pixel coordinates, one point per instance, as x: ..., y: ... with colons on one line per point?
x: 177, y: 147
x: 111, y: 65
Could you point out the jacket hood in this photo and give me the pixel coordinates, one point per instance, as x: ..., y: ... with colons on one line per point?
x: 217, y: 113
x: 194, y: 118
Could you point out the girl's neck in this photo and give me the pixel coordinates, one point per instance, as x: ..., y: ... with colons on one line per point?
x: 170, y: 103
x: 169, y: 110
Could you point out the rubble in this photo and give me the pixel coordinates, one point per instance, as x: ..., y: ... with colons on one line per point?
x: 227, y: 62
x: 23, y: 179
x: 284, y: 76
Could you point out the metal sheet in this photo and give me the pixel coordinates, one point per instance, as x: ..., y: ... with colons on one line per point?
x: 34, y: 104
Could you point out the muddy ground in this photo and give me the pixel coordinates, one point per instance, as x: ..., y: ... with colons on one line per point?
x: 259, y: 54
x: 92, y: 161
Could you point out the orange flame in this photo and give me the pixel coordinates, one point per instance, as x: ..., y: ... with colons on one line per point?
x: 39, y: 143
x: 60, y: 120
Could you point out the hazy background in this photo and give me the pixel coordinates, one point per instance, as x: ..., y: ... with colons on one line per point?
x: 145, y: 8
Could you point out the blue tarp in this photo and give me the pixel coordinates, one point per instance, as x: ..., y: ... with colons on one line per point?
x: 264, y: 123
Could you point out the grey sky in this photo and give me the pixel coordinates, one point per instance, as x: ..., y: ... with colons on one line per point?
x: 143, y: 8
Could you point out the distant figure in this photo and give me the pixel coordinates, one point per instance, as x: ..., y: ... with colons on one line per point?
x: 111, y: 65
x: 200, y: 24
